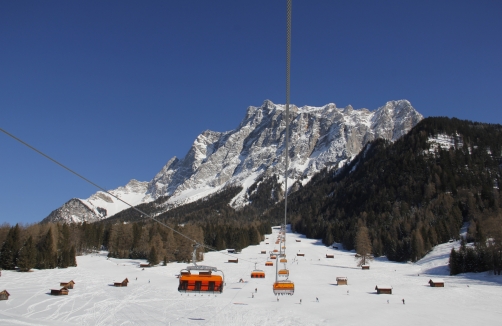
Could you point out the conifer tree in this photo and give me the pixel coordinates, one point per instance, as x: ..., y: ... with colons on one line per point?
x: 363, y: 246
x: 10, y: 249
x: 153, y: 258
x: 47, y: 256
x: 27, y: 256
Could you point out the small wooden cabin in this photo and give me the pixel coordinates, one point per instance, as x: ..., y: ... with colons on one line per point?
x: 297, y: 240
x: 233, y: 260
x: 120, y: 284
x: 62, y: 291
x: 365, y: 266
x: 4, y: 295
x: 231, y: 251
x: 341, y: 281
x: 143, y: 265
x: 330, y: 256
x: 68, y: 285
x: 300, y: 255
x: 264, y: 252
x: 436, y: 282
x: 383, y: 289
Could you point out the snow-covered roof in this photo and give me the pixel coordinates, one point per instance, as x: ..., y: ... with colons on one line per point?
x: 383, y: 287
x: 436, y: 280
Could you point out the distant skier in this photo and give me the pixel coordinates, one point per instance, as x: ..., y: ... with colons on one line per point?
x: 347, y: 292
x: 316, y: 299
x: 403, y: 301
x: 387, y: 301
x: 148, y: 281
x: 277, y: 299
x: 300, y: 301
x: 256, y: 290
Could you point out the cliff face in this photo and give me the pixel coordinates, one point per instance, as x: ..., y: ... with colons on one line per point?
x: 319, y: 137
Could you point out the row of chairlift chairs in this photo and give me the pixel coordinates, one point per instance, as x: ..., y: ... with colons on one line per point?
x: 200, y: 279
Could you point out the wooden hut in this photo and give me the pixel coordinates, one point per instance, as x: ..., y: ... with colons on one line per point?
x: 4, y: 295
x: 341, y: 281
x: 383, y: 289
x: 300, y: 255
x: 365, y: 266
x: 436, y: 282
x: 330, y: 256
x: 68, y: 285
x: 62, y: 291
x: 123, y: 283
x: 233, y: 260
x: 231, y: 251
x: 297, y: 240
x: 143, y: 265
x: 264, y: 252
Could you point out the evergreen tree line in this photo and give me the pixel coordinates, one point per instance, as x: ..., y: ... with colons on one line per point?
x: 485, y: 250
x: 36, y: 246
x: 410, y: 195
x: 45, y: 246
x: 232, y: 235
x: 157, y: 243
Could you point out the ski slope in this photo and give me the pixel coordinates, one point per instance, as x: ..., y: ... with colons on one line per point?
x: 153, y: 299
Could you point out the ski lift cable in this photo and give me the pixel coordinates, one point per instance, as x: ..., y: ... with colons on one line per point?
x: 104, y: 190
x: 288, y: 78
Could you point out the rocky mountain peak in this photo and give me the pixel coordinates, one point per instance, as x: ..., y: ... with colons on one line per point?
x: 319, y: 137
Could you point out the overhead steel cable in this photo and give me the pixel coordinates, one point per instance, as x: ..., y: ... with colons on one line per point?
x: 104, y: 190
x: 288, y: 78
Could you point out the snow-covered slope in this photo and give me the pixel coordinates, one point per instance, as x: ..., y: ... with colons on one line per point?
x: 320, y: 137
x: 151, y: 298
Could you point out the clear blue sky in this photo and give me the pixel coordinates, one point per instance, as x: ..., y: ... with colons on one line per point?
x: 114, y: 89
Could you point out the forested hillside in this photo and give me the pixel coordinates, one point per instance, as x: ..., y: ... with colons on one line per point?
x: 411, y: 194
x: 131, y: 234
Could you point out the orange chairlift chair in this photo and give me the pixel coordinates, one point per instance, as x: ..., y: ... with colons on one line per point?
x: 200, y: 279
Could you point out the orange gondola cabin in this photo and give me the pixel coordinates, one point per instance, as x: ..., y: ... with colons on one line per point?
x: 284, y: 288
x: 283, y: 272
x: 257, y: 274
x: 201, y: 279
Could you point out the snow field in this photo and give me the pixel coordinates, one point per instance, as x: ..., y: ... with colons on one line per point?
x: 153, y: 299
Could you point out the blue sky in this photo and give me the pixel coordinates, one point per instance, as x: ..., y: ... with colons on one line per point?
x: 114, y: 89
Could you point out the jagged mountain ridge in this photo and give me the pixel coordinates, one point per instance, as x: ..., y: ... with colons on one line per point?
x: 319, y: 137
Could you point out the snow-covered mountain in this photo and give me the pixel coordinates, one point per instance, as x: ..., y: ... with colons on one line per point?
x: 100, y: 205
x: 320, y: 137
